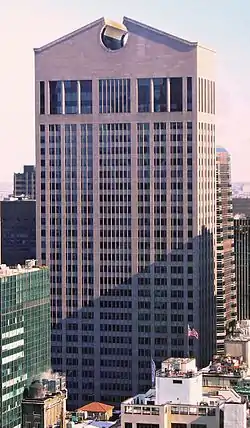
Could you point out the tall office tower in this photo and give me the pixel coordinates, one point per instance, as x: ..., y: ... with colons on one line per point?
x: 242, y: 265
x: 24, y: 333
x: 226, y: 285
x: 126, y: 197
x: 17, y: 230
x: 25, y: 182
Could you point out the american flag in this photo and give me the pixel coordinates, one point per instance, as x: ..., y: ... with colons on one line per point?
x: 193, y: 333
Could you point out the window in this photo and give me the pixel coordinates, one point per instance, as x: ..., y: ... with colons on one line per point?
x: 128, y: 425
x: 176, y: 94
x: 198, y: 425
x: 189, y: 94
x: 160, y: 95
x: 86, y: 96
x: 174, y: 425
x: 71, y: 97
x: 144, y: 97
x: 114, y: 96
x: 55, y: 92
x: 177, y: 381
x: 147, y: 425
x: 42, y: 98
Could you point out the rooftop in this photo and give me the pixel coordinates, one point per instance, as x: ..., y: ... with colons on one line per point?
x: 96, y: 407
x: 225, y: 366
x: 30, y: 266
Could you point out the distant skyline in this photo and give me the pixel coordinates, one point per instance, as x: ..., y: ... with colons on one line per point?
x: 222, y: 26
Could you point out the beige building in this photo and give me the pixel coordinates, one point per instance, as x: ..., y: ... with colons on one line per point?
x: 178, y: 401
x: 44, y: 405
x: 126, y: 202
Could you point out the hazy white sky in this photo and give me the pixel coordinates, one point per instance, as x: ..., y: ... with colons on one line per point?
x: 222, y: 25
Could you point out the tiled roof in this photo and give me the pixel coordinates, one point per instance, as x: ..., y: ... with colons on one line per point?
x: 96, y: 407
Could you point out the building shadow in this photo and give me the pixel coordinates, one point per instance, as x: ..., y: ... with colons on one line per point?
x: 106, y: 348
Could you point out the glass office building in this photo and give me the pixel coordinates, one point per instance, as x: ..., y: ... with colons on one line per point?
x: 126, y: 203
x: 25, y: 335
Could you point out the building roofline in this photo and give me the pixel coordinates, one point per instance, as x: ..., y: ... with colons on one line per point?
x: 155, y: 30
x: 164, y: 33
x: 125, y: 20
x: 69, y: 35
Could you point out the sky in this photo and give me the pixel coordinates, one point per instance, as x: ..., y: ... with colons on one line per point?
x: 219, y: 24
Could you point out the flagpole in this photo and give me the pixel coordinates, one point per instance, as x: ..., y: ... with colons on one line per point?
x: 188, y: 341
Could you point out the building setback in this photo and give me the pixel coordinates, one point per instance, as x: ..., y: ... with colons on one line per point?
x: 25, y: 335
x: 242, y: 265
x: 126, y: 197
x: 17, y: 230
x: 25, y: 182
x: 226, y: 284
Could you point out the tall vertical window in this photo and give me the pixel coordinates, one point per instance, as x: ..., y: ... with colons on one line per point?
x: 114, y: 96
x: 176, y: 94
x: 42, y: 98
x: 144, y: 95
x: 189, y: 94
x: 160, y: 95
x: 71, y: 97
x: 86, y: 96
x: 55, y: 93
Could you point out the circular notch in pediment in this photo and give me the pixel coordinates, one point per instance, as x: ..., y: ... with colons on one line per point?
x: 114, y: 36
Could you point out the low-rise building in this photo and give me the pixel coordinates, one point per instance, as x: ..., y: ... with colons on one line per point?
x: 224, y: 372
x: 178, y: 401
x: 44, y: 403
x: 96, y: 410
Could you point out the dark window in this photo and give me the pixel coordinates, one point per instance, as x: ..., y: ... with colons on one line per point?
x: 128, y: 425
x: 55, y: 92
x: 114, y: 96
x: 86, y: 96
x: 144, y: 89
x: 177, y: 425
x: 177, y: 381
x: 71, y: 98
x: 160, y: 95
x: 198, y: 425
x: 147, y: 425
x: 42, y: 98
x: 176, y: 94
x: 189, y: 94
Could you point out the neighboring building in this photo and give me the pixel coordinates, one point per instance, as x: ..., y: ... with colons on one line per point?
x: 126, y: 199
x: 224, y: 371
x: 17, y: 230
x: 238, y: 342
x: 226, y: 285
x: 44, y: 404
x: 99, y: 411
x: 25, y: 334
x: 242, y: 265
x: 241, y: 206
x: 178, y: 401
x: 25, y: 182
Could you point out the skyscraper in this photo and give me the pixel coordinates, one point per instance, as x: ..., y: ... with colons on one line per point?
x: 25, y: 182
x: 25, y: 335
x: 226, y: 284
x: 126, y: 196
x: 242, y: 265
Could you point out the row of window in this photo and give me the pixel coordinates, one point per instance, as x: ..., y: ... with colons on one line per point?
x: 172, y: 94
